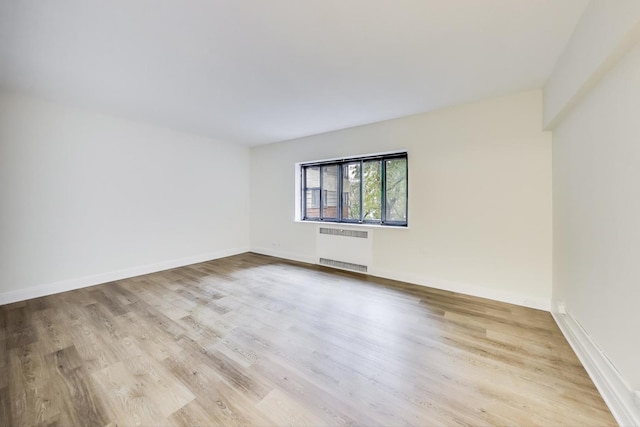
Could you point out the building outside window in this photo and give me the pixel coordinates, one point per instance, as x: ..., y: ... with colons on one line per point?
x: 373, y: 190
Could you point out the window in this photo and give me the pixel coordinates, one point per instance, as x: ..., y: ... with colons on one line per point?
x: 368, y: 190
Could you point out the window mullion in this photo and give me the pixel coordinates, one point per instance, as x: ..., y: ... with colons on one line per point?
x: 304, y: 193
x: 361, y: 190
x: 339, y: 191
x: 406, y: 200
x: 321, y: 196
x: 383, y: 188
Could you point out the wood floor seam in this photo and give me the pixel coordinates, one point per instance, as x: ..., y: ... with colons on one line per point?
x: 253, y: 340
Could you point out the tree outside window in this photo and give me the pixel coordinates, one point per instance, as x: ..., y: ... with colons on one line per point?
x: 373, y: 190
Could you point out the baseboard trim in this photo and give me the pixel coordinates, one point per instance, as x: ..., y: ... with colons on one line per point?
x: 96, y: 279
x: 616, y: 393
x: 473, y: 290
x: 285, y: 255
x: 469, y: 289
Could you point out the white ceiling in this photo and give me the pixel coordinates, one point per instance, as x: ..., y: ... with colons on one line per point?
x: 261, y: 71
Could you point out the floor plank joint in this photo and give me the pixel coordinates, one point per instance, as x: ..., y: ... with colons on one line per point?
x: 256, y: 340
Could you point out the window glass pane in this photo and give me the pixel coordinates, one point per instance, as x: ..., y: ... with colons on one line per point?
x: 351, y: 191
x: 372, y: 191
x: 396, y: 189
x: 312, y: 192
x: 369, y: 185
x: 330, y: 191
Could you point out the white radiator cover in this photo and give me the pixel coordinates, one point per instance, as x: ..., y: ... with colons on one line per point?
x: 346, y: 245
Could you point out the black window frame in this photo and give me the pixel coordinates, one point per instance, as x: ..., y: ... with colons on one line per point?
x: 339, y: 213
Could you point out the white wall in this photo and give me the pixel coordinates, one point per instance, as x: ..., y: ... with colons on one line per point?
x: 605, y: 32
x: 87, y: 198
x: 596, y: 170
x: 479, y: 207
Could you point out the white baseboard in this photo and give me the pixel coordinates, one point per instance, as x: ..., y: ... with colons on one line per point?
x: 474, y: 290
x: 468, y: 289
x: 96, y: 279
x: 614, y: 390
x: 285, y: 255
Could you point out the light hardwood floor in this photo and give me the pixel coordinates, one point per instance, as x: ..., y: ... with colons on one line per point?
x: 254, y: 340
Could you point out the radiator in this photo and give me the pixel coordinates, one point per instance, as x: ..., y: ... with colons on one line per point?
x: 344, y: 248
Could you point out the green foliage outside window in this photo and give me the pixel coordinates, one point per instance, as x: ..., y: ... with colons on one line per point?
x: 374, y: 190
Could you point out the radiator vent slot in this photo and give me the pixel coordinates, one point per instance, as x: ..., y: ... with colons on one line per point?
x: 353, y: 247
x: 345, y: 265
x: 346, y: 233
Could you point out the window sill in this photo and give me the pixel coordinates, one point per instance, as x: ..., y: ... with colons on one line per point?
x: 353, y: 224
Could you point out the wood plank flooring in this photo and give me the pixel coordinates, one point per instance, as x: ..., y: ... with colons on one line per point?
x: 254, y: 340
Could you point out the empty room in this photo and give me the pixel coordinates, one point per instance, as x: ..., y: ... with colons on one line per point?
x: 319, y: 213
